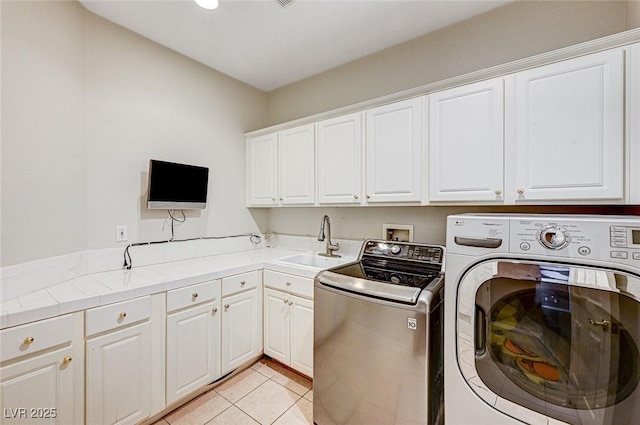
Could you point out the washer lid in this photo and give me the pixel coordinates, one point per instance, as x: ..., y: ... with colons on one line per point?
x: 377, y: 289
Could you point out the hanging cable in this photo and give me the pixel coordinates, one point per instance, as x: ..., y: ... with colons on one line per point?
x: 175, y: 220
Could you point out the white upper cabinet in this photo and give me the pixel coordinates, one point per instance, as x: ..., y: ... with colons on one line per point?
x: 339, y: 159
x: 296, y: 165
x: 262, y: 170
x: 394, y: 152
x: 466, y: 140
x: 566, y: 131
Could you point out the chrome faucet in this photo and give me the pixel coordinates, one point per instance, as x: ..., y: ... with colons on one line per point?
x: 330, y: 247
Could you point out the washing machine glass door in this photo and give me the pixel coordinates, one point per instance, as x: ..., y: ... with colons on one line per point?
x: 555, y: 339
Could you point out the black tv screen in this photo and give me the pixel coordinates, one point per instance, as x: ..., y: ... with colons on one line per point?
x: 177, y: 186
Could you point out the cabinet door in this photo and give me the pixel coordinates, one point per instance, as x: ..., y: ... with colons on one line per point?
x: 193, y: 346
x: 394, y: 152
x: 302, y: 335
x: 262, y: 171
x: 276, y: 325
x: 296, y: 165
x: 241, y: 329
x: 118, y: 376
x: 39, y: 390
x: 340, y: 160
x: 466, y: 140
x: 568, y: 122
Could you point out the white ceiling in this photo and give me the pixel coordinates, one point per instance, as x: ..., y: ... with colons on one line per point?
x: 268, y: 46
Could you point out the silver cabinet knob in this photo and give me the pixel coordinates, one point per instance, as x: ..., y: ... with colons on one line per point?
x: 214, y: 310
x: 242, y: 283
x: 288, y: 283
x: 356, y: 197
x: 226, y: 306
x: 520, y: 191
x: 290, y: 302
x: 498, y: 192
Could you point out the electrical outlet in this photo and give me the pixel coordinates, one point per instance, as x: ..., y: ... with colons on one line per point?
x: 121, y: 233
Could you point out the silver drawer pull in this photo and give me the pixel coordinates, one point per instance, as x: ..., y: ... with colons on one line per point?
x: 29, y: 340
x: 214, y: 310
x: 288, y: 283
x: 194, y: 295
x: 122, y: 315
x: 242, y: 282
x: 290, y: 303
x: 226, y: 306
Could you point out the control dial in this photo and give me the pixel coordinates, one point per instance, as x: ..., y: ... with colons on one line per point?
x: 395, y: 249
x: 553, y: 237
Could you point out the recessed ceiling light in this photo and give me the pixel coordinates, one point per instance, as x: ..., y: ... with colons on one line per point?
x: 207, y: 4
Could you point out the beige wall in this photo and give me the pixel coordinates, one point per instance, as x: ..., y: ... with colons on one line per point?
x: 633, y: 14
x: 85, y: 105
x: 512, y: 32
x: 44, y: 209
x: 145, y: 101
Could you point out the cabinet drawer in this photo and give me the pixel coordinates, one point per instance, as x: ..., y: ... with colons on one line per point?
x: 37, y: 336
x: 302, y: 286
x: 240, y: 282
x: 192, y: 295
x: 114, y: 316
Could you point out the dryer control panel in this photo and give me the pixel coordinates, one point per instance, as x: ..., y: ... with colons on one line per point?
x: 605, y: 238
x: 613, y: 239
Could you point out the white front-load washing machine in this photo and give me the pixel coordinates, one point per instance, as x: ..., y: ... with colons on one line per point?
x: 542, y: 320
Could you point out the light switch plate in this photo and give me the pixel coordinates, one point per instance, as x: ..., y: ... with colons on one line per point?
x: 121, y: 233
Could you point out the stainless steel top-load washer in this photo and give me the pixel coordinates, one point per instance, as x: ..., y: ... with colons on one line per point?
x: 378, y: 337
x: 542, y: 320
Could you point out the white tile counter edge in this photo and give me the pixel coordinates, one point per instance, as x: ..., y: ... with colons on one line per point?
x: 99, y: 289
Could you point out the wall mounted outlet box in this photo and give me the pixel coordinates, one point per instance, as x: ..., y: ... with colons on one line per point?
x: 397, y: 232
x: 121, y: 233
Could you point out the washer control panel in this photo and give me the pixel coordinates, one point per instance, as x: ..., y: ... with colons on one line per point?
x: 408, y: 251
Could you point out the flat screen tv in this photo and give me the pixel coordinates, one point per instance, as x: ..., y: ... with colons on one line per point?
x: 177, y: 186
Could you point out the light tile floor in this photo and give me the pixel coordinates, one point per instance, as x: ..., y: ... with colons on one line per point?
x: 265, y: 393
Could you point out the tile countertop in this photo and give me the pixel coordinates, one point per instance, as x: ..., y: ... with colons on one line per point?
x: 98, y: 289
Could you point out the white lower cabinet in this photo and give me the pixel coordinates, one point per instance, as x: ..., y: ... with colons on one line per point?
x: 241, y: 319
x: 288, y: 320
x: 193, y: 338
x: 118, y: 360
x: 41, y: 377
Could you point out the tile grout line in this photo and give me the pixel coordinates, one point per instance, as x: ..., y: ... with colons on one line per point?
x: 276, y: 382
x: 274, y: 373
